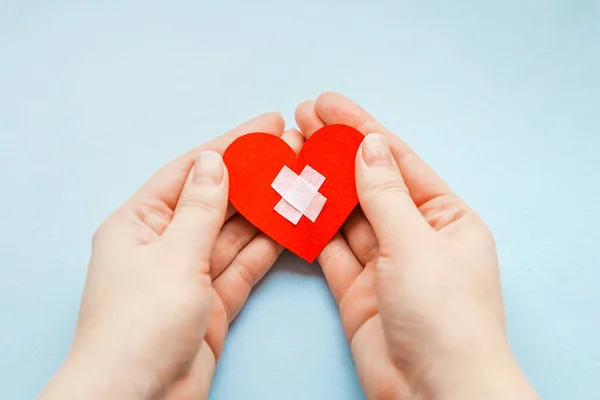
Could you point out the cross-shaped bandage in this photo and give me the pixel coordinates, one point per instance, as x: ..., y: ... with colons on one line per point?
x: 300, y: 194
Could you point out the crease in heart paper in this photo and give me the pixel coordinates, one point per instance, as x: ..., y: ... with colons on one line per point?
x: 255, y: 159
x: 300, y: 194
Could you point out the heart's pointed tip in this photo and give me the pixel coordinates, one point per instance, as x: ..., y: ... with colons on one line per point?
x: 310, y: 260
x: 308, y: 257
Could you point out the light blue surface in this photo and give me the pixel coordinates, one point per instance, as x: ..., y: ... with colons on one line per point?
x: 501, y: 97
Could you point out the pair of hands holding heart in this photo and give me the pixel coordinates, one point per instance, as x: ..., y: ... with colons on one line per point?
x: 413, y: 269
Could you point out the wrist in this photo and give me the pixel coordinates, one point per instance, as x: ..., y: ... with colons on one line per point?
x: 81, y: 380
x: 111, y: 363
x: 490, y: 375
x: 95, y: 376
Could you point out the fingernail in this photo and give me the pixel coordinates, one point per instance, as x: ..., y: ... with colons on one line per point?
x: 208, y: 169
x: 375, y: 150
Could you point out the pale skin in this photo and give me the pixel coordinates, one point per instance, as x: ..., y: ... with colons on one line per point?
x: 414, y: 271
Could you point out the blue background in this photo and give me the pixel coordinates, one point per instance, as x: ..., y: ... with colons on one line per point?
x: 501, y: 97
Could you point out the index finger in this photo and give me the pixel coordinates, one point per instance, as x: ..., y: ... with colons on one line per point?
x: 422, y: 181
x: 166, y: 184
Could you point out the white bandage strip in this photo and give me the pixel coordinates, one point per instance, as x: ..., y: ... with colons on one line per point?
x: 315, y: 207
x: 288, y: 211
x: 299, y: 194
x: 313, y: 177
x: 284, y: 181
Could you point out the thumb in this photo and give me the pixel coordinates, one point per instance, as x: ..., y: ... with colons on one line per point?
x: 200, y: 212
x: 383, y: 195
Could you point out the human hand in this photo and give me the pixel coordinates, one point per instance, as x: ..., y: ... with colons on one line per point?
x: 416, y: 276
x: 169, y: 271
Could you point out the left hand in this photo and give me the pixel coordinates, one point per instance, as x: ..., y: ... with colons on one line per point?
x: 416, y: 276
x: 169, y: 271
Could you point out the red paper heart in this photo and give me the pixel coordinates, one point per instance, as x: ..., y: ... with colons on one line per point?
x: 255, y: 159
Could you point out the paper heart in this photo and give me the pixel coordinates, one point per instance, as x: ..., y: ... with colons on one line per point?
x: 255, y: 160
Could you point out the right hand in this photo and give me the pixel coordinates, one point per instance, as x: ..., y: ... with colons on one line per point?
x: 416, y: 276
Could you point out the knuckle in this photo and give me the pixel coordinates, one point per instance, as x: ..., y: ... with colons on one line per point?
x: 153, y: 212
x: 250, y: 269
x: 386, y: 389
x: 388, y: 246
x: 387, y: 188
x: 237, y: 233
x: 199, y: 202
x: 152, y: 206
x: 486, y: 236
x: 371, y: 254
x: 97, y: 236
x: 245, y: 272
x: 103, y: 231
x: 230, y: 310
x: 331, y: 257
x: 230, y: 241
